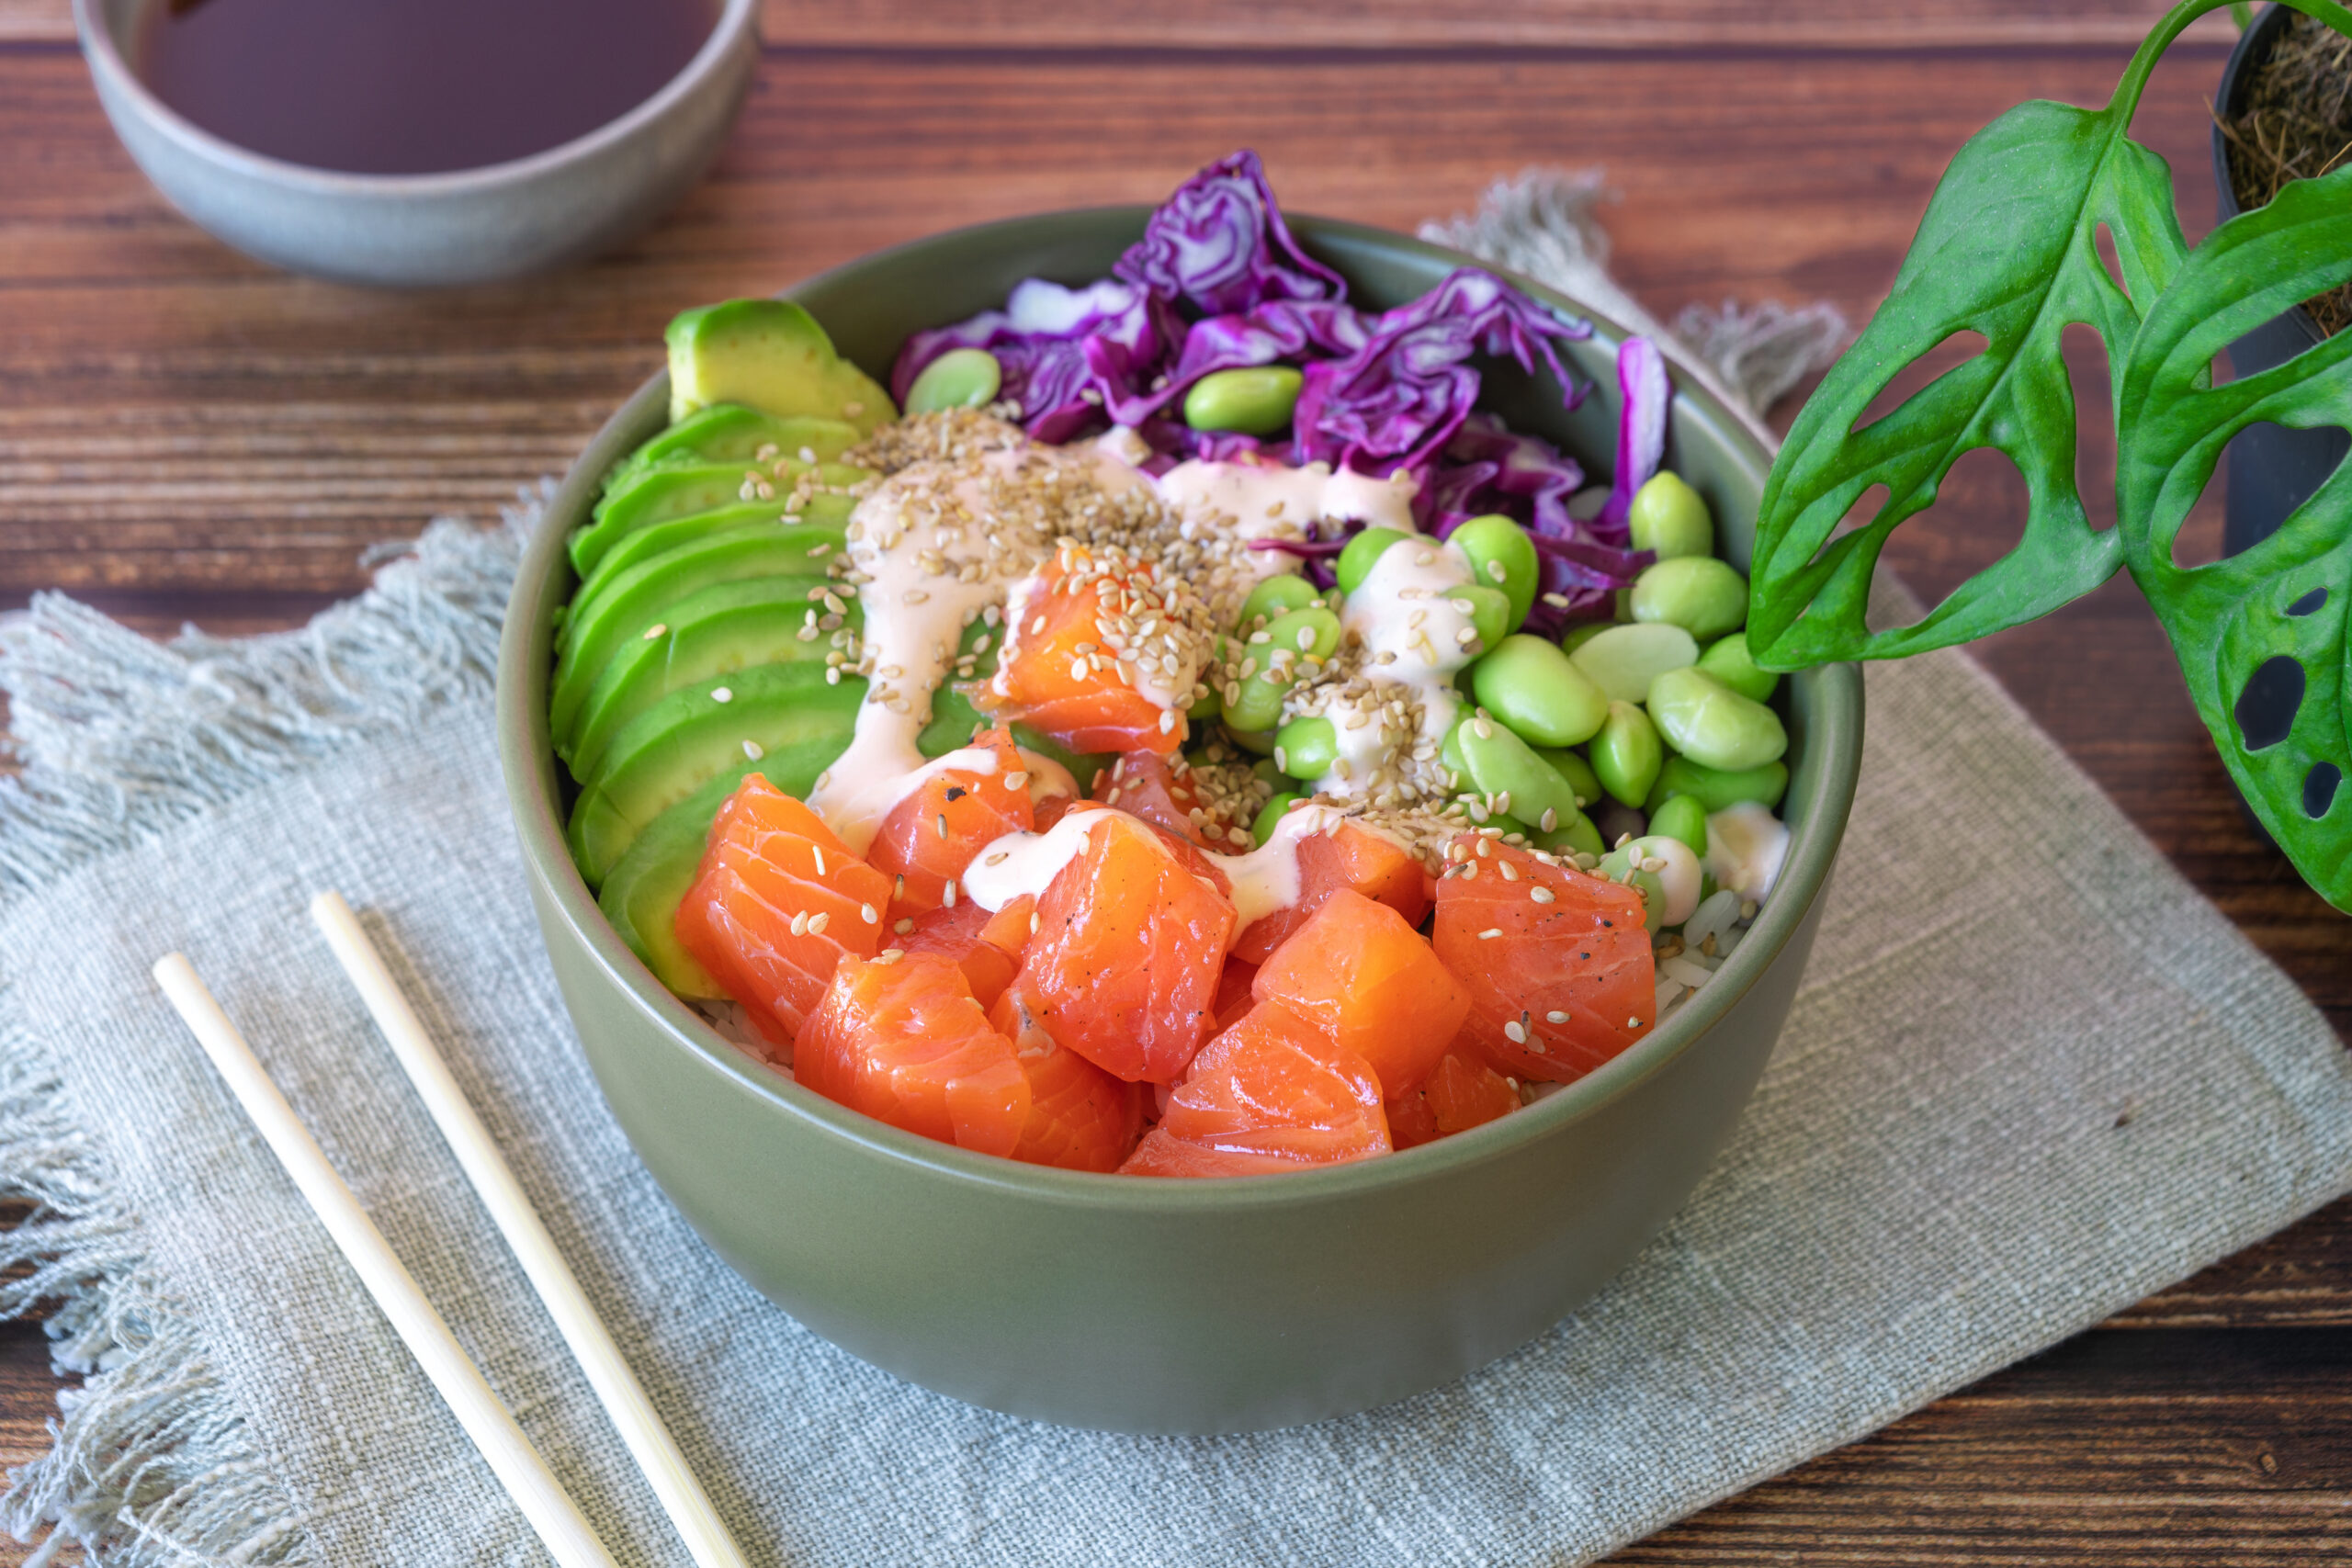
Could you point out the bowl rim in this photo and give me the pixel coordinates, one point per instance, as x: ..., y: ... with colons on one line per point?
x: 527, y: 758
x: 736, y: 20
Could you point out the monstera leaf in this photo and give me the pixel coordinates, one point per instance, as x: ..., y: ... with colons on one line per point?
x: 2289, y: 596
x: 2009, y: 249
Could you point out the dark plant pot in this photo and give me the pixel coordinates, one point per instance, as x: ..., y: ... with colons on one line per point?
x: 2273, y: 469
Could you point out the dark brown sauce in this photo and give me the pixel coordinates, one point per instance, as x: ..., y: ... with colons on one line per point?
x: 412, y: 86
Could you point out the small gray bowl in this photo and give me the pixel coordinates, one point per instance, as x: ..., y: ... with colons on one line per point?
x: 501, y: 221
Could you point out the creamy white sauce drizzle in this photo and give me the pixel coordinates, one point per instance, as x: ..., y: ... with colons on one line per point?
x: 1272, y: 500
x: 1266, y: 879
x: 1405, y: 606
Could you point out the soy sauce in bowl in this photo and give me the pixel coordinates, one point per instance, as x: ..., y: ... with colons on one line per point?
x: 412, y: 86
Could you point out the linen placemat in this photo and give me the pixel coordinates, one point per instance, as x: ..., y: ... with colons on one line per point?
x: 2031, y: 1077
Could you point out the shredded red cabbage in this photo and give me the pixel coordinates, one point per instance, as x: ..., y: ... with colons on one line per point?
x: 1220, y: 247
x: 1641, y: 431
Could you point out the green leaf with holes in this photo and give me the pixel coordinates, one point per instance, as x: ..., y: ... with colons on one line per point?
x: 2228, y: 618
x: 2008, y: 248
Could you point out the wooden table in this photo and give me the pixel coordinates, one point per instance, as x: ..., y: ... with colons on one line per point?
x: 187, y: 436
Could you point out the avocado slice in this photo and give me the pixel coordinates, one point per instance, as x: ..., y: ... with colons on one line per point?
x: 725, y: 628
x: 783, y: 714
x: 734, y: 433
x: 632, y: 604
x: 644, y: 888
x: 826, y: 518
x: 655, y: 496
x: 954, y: 718
x: 771, y: 355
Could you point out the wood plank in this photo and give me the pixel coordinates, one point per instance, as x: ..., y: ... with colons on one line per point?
x: 1238, y: 27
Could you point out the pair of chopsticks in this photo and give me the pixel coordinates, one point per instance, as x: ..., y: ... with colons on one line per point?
x: 512, y: 1459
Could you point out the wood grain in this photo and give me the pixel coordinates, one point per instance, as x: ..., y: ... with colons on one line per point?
x: 1327, y: 25
x: 185, y: 434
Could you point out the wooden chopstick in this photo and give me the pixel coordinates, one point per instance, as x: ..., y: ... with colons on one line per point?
x: 696, y: 1521
x: 512, y: 1458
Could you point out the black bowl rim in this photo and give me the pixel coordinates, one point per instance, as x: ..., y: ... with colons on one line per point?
x: 527, y: 760
x: 2246, y: 57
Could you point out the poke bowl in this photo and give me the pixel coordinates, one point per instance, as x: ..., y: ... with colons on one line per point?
x: 1095, y: 1299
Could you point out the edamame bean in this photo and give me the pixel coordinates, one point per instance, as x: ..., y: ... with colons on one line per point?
x: 1272, y: 660
x: 1681, y: 816
x: 1531, y: 686
x: 1258, y: 742
x: 1711, y: 724
x: 1730, y: 662
x: 1501, y: 556
x: 1264, y: 769
x: 1623, y: 660
x: 1575, y: 770
x: 1715, y: 788
x: 1575, y: 637
x: 1669, y: 517
x: 959, y: 378
x: 1254, y: 400
x: 1306, y: 748
x: 1271, y: 817
x: 1577, y: 836
x: 1274, y: 596
x: 1623, y: 865
x: 1489, y: 614
x: 1500, y: 766
x: 1626, y: 755
x: 1355, y: 562
x: 1703, y: 595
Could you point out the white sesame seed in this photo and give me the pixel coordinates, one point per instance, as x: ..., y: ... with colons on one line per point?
x: 1490, y: 933
x: 800, y: 923
x: 903, y: 926
x: 753, y: 749
x: 872, y: 916
x: 1516, y: 1032
x: 818, y: 922
x: 1555, y: 1016
x: 1541, y: 895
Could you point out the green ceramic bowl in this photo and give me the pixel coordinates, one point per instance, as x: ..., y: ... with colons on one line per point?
x: 1151, y: 1305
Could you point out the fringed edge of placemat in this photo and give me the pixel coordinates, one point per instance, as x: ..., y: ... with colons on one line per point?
x: 150, y: 1464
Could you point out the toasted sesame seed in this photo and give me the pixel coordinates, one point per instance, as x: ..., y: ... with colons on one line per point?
x: 1515, y: 1032
x: 1541, y: 895
x: 818, y: 922
x: 753, y: 749
x: 1555, y: 1016
x: 903, y: 926
x: 868, y: 913
x: 1490, y: 933
x: 800, y: 923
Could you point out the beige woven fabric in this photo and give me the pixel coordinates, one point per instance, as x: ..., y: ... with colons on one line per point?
x: 2031, y: 1078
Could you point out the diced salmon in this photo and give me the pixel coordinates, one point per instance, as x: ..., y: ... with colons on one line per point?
x: 930, y: 838
x: 776, y: 903
x: 1125, y: 965
x: 1411, y: 1122
x: 1271, y: 1087
x: 1012, y: 927
x: 1160, y: 1154
x: 1347, y: 855
x: 1558, y: 964
x: 1146, y: 785
x: 1462, y: 1092
x: 1066, y: 670
x: 905, y: 1043
x: 960, y: 936
x: 1080, y: 1118
x: 1371, y: 985
x: 1233, y: 997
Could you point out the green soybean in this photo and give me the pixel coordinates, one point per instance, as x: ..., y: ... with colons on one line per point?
x: 1270, y: 815
x: 1717, y: 788
x: 1575, y: 637
x: 959, y: 378
x: 1255, y: 400
x: 1306, y: 748
x: 1490, y: 613
x: 1575, y: 770
x: 1530, y: 685
x: 1711, y: 724
x: 1703, y: 595
x: 1623, y: 660
x: 1730, y: 662
x: 1669, y: 517
x: 1501, y: 556
x: 1620, y: 865
x: 1355, y: 562
x: 1626, y: 755
x: 1258, y: 742
x: 1275, y: 658
x: 1501, y: 766
x: 1577, y: 835
x: 1263, y: 768
x: 1272, y: 597
x: 1682, y: 816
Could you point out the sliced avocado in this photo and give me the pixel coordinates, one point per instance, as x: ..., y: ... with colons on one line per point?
x: 824, y: 519
x: 725, y: 628
x: 954, y: 718
x: 642, y: 891
x: 771, y: 355
x: 783, y: 714
x: 631, y: 604
x: 664, y: 494
x: 733, y: 433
